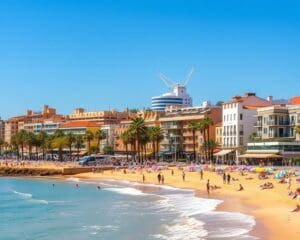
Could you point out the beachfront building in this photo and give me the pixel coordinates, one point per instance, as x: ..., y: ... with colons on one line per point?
x: 178, y: 97
x: 100, y: 117
x: 30, y: 121
x: 49, y: 127
x: 2, y: 129
x: 178, y: 141
x: 151, y: 118
x: 275, y: 139
x: 239, y: 118
x: 219, y: 136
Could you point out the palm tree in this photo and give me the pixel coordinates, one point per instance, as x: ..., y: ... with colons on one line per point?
x: 194, y: 126
x: 100, y: 135
x: 138, y: 128
x: 125, y: 136
x: 30, y: 141
x: 1, y: 145
x: 70, y: 139
x: 89, y: 136
x: 297, y: 129
x: 204, y: 127
x: 78, y: 144
x: 60, y: 143
x: 21, y: 141
x: 42, y: 137
x: 14, y: 144
x: 211, y: 146
x: 6, y: 146
x: 144, y: 141
x: 156, y: 136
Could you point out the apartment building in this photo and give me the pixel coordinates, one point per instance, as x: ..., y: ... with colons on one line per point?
x: 276, y: 139
x: 31, y: 121
x: 239, y: 117
x: 178, y: 139
x: 100, y: 117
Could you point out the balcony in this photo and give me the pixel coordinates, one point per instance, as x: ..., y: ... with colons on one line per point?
x: 258, y: 124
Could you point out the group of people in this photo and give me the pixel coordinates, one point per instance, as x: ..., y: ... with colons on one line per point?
x: 160, y: 178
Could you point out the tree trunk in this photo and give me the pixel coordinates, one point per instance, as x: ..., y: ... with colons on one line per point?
x: 194, y: 145
x: 70, y: 152
x: 78, y: 150
x: 126, y: 149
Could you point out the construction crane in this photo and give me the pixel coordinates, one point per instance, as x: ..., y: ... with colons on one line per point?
x: 170, y: 83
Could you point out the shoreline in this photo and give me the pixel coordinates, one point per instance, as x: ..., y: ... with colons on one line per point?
x: 269, y: 213
x: 270, y: 208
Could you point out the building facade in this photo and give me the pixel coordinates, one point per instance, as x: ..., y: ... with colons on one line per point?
x: 179, y: 97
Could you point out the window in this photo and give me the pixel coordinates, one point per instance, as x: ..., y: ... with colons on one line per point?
x: 241, y: 116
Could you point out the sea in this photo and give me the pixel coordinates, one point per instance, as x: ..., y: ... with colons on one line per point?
x: 58, y: 209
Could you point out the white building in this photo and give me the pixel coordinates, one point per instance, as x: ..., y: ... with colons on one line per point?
x: 179, y: 97
x: 239, y: 118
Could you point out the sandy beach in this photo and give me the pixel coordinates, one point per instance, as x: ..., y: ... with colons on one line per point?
x: 271, y: 208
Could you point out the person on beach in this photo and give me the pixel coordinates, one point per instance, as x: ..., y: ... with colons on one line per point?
x: 183, y: 176
x: 297, y: 209
x: 201, y: 174
x: 289, y: 180
x: 159, y: 178
x: 228, y: 178
x: 144, y: 178
x: 162, y: 179
x: 98, y: 187
x: 172, y: 172
x: 208, y: 187
x: 224, y: 178
x: 241, y: 188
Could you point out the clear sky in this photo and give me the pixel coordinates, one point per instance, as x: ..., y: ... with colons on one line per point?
x: 106, y: 53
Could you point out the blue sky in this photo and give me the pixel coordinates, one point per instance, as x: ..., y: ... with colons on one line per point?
x: 101, y: 54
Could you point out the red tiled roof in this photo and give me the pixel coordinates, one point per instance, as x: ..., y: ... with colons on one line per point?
x: 78, y: 124
x: 295, y: 100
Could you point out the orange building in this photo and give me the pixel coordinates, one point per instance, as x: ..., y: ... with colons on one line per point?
x: 178, y: 136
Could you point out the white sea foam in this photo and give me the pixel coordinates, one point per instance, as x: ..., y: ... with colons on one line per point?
x: 126, y: 191
x: 28, y: 197
x: 72, y: 179
x: 185, y: 228
x: 95, y: 229
x: 24, y: 195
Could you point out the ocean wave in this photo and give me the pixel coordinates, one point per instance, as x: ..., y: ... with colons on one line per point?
x: 126, y: 191
x: 28, y: 197
x: 24, y: 195
x: 185, y: 228
x: 73, y: 179
x: 95, y: 229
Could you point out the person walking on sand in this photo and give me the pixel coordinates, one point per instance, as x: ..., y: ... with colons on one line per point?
x: 289, y: 180
x: 159, y: 178
x: 172, y: 172
x: 162, y: 179
x: 183, y: 176
x: 208, y: 187
x: 201, y: 174
x: 241, y: 188
x: 144, y: 179
x: 228, y: 178
x: 224, y: 178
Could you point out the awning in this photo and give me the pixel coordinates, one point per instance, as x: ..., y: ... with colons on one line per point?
x: 260, y: 155
x: 223, y: 152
